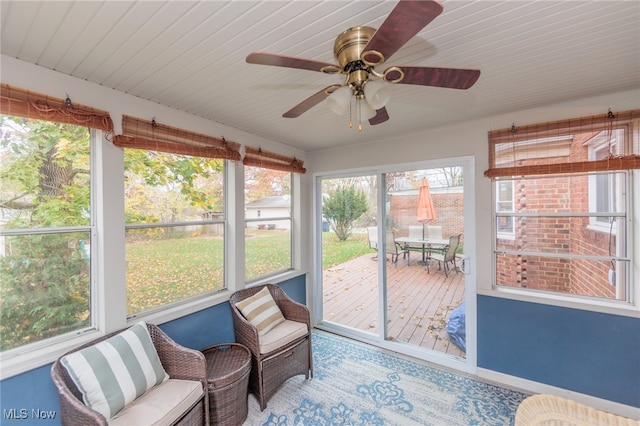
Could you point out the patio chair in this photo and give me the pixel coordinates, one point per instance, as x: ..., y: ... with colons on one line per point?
x: 277, y: 353
x: 446, y: 255
x: 418, y: 232
x: 372, y: 233
x: 435, y: 233
x: 394, y: 249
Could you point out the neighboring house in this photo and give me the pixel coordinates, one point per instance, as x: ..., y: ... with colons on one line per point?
x: 276, y: 206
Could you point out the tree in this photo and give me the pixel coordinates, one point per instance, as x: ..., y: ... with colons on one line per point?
x: 452, y: 176
x: 261, y: 182
x: 45, y: 276
x: 162, y: 187
x: 45, y: 183
x: 343, y: 208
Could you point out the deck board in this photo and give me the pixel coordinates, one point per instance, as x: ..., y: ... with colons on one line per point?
x: 419, y: 302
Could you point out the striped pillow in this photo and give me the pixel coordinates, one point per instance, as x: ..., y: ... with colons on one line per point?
x: 116, y: 371
x: 261, y: 311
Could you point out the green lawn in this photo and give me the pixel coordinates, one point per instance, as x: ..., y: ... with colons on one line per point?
x: 335, y: 252
x: 168, y: 270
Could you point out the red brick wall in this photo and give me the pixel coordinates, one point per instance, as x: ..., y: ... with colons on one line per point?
x: 449, y: 209
x: 556, y: 235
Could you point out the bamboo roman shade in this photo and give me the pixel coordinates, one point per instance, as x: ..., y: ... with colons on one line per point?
x: 149, y: 135
x: 563, y: 146
x: 271, y: 160
x: 24, y: 103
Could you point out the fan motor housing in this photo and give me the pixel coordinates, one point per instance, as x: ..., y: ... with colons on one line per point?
x: 350, y: 44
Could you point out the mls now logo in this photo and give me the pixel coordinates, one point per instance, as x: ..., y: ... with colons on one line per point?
x: 23, y: 413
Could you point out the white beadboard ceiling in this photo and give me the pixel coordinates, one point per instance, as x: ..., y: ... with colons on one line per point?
x: 190, y: 55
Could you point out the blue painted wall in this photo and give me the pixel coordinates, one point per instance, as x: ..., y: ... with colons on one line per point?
x: 31, y: 397
x: 592, y: 353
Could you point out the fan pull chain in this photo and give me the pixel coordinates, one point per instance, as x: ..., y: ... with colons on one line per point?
x: 350, y: 119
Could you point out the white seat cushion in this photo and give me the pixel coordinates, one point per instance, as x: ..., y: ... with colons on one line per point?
x: 282, y: 334
x: 161, y: 405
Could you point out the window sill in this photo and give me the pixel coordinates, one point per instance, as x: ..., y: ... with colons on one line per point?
x: 573, y: 302
x: 21, y: 362
x: 35, y: 358
x: 32, y: 359
x: 163, y: 315
x: 276, y: 278
x: 602, y: 229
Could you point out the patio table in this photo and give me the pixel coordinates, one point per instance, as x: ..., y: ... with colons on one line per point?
x: 427, y: 243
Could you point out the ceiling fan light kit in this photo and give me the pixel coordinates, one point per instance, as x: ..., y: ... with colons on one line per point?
x: 377, y: 93
x: 340, y: 100
x: 364, y: 110
x: 358, y: 51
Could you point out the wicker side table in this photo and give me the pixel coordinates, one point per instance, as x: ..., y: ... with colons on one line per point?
x: 228, y: 367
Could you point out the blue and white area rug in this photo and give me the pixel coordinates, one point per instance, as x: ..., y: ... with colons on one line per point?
x: 356, y: 384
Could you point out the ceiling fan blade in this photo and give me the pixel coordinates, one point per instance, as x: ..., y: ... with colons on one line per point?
x: 452, y: 78
x: 310, y: 102
x: 380, y: 117
x: 262, y: 58
x: 405, y: 21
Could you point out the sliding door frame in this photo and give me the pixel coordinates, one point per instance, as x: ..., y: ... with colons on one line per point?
x: 469, y: 363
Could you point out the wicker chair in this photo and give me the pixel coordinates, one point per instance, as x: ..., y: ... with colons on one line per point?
x: 270, y: 369
x: 540, y: 410
x: 179, y: 362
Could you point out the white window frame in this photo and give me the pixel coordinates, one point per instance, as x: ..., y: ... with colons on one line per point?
x: 502, y: 234
x: 186, y: 302
x: 631, y: 307
x: 22, y: 358
x: 598, y: 148
x: 626, y: 141
x: 109, y: 265
x: 265, y: 277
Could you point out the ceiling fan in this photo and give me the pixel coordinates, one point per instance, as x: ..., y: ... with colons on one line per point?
x: 358, y: 51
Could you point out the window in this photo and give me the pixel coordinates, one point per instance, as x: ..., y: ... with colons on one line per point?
x: 602, y: 186
x: 174, y: 211
x: 47, y: 221
x: 553, y: 248
x: 504, y: 204
x: 563, y: 189
x: 46, y: 229
x: 268, y: 211
x: 268, y: 221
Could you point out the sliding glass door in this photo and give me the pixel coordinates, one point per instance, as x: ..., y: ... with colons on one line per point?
x: 424, y: 225
x: 350, y: 276
x: 392, y: 255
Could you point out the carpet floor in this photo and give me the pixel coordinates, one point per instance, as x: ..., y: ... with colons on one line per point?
x: 359, y: 384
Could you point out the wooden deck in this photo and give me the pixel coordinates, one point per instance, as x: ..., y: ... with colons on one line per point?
x: 418, y: 303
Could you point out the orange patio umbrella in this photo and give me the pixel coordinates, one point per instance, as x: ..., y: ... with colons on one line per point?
x: 426, y: 211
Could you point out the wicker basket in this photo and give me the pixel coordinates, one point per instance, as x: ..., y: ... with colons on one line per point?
x: 538, y: 410
x: 228, y: 367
